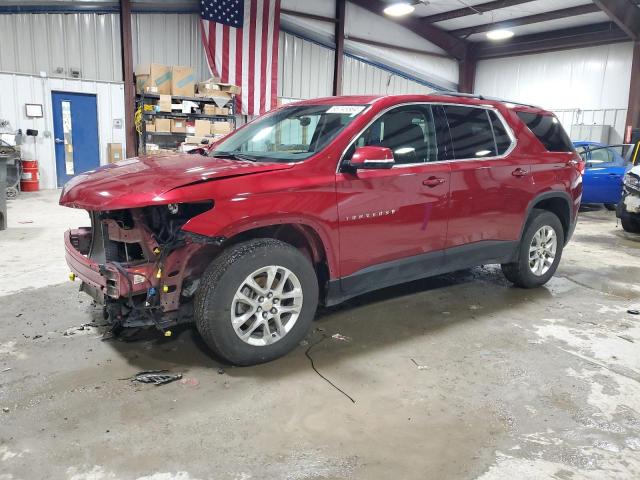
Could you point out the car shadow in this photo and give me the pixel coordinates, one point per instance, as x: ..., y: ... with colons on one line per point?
x: 372, y: 321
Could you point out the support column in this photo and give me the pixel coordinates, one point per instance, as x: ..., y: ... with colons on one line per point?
x: 127, y: 77
x: 467, y: 72
x: 339, y: 52
x: 633, y: 112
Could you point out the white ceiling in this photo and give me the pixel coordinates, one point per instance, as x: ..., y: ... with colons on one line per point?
x: 525, y: 9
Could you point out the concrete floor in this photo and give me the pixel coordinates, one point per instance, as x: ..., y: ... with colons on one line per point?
x: 456, y: 377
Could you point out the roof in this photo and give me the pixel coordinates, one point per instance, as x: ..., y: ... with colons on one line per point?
x: 444, y: 97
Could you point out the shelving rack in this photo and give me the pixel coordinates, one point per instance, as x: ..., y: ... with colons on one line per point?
x: 175, y: 138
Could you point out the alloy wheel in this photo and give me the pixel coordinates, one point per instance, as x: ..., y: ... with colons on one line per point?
x: 267, y: 305
x: 542, y: 251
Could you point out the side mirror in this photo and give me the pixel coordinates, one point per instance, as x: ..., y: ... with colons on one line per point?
x: 372, y: 158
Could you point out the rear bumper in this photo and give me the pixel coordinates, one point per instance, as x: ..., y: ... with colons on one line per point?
x: 105, y: 280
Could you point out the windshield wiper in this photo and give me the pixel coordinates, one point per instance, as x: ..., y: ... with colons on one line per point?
x: 234, y: 156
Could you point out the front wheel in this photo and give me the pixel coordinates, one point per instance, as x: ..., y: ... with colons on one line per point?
x: 256, y: 301
x: 539, y: 252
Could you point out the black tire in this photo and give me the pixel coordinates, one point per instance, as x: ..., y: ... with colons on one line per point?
x: 519, y: 272
x: 610, y: 206
x: 629, y: 224
x: 222, y: 279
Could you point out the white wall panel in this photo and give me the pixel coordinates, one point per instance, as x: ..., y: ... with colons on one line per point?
x: 585, y: 78
x: 20, y: 89
x: 583, y: 86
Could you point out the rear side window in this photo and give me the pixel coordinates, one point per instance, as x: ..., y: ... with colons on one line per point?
x: 471, y: 132
x: 548, y: 130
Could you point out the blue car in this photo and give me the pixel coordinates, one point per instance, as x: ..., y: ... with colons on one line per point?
x: 605, y: 169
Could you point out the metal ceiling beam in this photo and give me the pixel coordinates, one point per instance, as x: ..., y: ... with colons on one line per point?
x: 566, y: 38
x: 472, y: 10
x: 529, y: 19
x: 454, y: 46
x: 624, y: 13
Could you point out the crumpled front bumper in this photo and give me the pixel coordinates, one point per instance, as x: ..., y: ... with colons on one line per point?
x: 104, y: 279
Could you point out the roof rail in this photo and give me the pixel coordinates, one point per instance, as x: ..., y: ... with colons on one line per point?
x: 483, y: 97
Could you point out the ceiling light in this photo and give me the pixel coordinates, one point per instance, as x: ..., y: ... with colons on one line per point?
x: 499, y: 34
x: 399, y: 9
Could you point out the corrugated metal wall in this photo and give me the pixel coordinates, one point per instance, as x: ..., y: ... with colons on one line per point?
x: 363, y: 78
x: 172, y: 39
x: 305, y: 71
x: 90, y: 42
x: 20, y: 89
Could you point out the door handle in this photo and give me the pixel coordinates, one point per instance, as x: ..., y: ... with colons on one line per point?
x: 519, y: 172
x: 59, y: 140
x: 433, y: 182
x: 572, y: 163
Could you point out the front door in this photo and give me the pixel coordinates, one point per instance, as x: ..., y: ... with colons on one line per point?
x: 401, y: 213
x: 602, y: 180
x: 75, y: 128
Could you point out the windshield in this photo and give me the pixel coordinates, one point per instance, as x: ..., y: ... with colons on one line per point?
x: 290, y: 134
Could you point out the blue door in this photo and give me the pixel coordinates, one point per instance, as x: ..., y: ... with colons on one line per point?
x: 75, y: 129
x: 603, y: 176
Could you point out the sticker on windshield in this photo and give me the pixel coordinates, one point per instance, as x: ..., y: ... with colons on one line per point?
x: 352, y: 110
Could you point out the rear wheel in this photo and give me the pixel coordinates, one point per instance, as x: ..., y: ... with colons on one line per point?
x: 610, y: 206
x: 256, y: 301
x: 630, y: 224
x: 539, y: 252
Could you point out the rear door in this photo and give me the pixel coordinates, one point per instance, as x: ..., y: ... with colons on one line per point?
x: 488, y: 186
x: 387, y: 215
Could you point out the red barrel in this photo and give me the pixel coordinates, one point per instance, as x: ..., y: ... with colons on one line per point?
x: 30, y: 180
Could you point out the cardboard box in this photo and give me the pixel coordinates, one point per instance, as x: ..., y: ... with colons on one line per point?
x: 230, y: 88
x: 203, y: 127
x: 150, y: 126
x: 220, y: 128
x: 208, y: 87
x: 178, y: 125
x: 214, y: 110
x: 163, y: 125
x: 153, y: 75
x: 191, y: 127
x: 221, y: 98
x: 164, y: 104
x: 183, y: 81
x: 114, y: 152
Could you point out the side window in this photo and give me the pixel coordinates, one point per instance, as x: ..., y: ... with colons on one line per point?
x: 503, y: 140
x: 548, y: 130
x: 409, y: 131
x: 471, y: 132
x: 600, y: 156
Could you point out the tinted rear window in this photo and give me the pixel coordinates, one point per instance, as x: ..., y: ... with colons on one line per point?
x: 471, y: 132
x: 548, y: 130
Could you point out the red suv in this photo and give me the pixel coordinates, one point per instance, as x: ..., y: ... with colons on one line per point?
x: 319, y: 201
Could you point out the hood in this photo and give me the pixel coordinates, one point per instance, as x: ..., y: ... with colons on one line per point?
x: 141, y: 181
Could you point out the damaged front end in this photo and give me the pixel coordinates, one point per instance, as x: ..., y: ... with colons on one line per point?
x: 139, y: 263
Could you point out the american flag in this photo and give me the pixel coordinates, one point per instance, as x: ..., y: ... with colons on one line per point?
x: 240, y: 39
